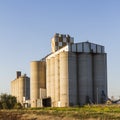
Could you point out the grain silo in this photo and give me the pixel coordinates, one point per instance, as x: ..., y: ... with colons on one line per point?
x: 42, y: 74
x: 72, y: 79
x: 85, y: 80
x: 34, y: 85
x: 100, y: 77
x: 52, y: 80
x: 48, y: 82
x: 21, y: 89
x: 57, y: 81
x: 38, y: 80
x: 73, y: 74
x: 74, y: 68
x: 64, y: 99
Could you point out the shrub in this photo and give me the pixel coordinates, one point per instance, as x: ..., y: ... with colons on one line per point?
x: 7, y: 101
x: 18, y: 106
x: 4, y: 106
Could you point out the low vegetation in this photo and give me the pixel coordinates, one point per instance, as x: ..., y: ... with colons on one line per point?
x: 9, y: 102
x: 88, y: 112
x: 11, y: 110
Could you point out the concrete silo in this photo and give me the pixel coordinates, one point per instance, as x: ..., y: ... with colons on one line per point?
x: 48, y: 82
x: 72, y: 77
x: 21, y: 88
x: 52, y: 80
x: 27, y: 87
x: 57, y: 81
x: 64, y: 99
x: 85, y: 80
x: 38, y: 80
x: 42, y: 74
x: 100, y: 77
x: 34, y: 85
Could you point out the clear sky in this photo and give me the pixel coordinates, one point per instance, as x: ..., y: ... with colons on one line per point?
x: 27, y: 26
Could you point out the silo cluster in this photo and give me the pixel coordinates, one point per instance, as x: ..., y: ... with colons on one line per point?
x: 76, y: 75
x: 20, y: 87
x: 76, y: 78
x: 72, y: 74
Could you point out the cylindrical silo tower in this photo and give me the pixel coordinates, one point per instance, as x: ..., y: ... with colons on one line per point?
x: 48, y: 82
x: 85, y: 83
x: 38, y: 80
x: 57, y: 81
x: 42, y: 74
x: 64, y: 99
x: 34, y: 84
x: 21, y: 88
x: 72, y: 83
x: 100, y: 77
x: 52, y: 80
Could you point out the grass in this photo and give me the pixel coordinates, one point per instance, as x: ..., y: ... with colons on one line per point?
x: 95, y: 111
x: 101, y: 112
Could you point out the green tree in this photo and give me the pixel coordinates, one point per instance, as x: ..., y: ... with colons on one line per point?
x: 7, y: 101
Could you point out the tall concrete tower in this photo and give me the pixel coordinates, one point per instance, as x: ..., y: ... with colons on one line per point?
x: 38, y: 80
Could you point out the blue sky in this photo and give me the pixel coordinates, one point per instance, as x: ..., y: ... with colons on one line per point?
x: 27, y: 26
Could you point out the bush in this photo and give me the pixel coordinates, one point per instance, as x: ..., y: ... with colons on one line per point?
x: 4, y: 106
x: 7, y: 101
x: 18, y: 106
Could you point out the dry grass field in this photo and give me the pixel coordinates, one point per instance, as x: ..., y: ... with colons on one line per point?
x: 101, y: 112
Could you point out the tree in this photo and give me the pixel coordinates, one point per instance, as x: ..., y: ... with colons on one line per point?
x: 7, y: 101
